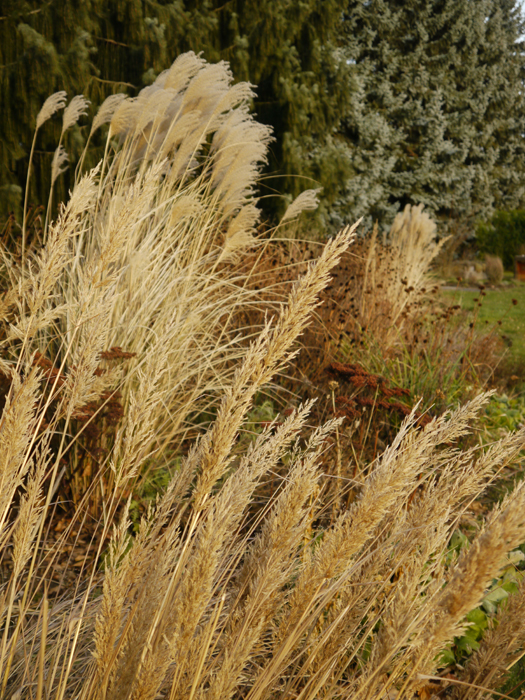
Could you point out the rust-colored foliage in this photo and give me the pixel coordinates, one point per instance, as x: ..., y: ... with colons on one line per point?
x: 363, y: 389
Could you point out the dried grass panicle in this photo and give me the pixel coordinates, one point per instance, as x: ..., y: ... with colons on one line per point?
x: 60, y: 159
x: 306, y: 201
x: 50, y: 263
x: 380, y: 289
x: 475, y: 569
x: 106, y: 111
x: 271, y: 351
x: 394, y: 475
x: 183, y: 69
x: 97, y: 286
x: 239, y: 147
x: 170, y: 285
x: 380, y: 509
x: 268, y: 568
x: 224, y: 511
x: 17, y: 425
x: 182, y: 616
x: 31, y: 509
x: 117, y: 585
x: 76, y: 108
x: 265, y: 356
x: 446, y: 492
x: 136, y: 432
x: 501, y: 647
x: 51, y: 106
x: 239, y: 235
x: 413, y: 233
x: 397, y: 269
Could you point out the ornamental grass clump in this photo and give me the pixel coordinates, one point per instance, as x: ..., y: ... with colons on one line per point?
x: 142, y: 257
x: 216, y: 591
x: 380, y: 290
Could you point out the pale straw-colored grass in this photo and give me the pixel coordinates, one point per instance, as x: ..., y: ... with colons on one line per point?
x: 146, y: 265
x: 394, y: 274
x: 214, y: 594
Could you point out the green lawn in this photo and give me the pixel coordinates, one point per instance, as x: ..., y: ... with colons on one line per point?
x: 497, y: 305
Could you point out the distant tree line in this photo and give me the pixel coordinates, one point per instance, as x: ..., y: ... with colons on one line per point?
x: 380, y: 102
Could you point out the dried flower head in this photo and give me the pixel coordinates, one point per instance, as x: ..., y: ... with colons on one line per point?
x: 240, y: 230
x: 185, y: 67
x: 75, y: 109
x: 306, y: 201
x: 124, y: 116
x: 106, y: 110
x: 60, y: 158
x: 51, y: 105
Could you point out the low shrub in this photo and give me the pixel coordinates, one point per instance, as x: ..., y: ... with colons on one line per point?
x: 494, y: 269
x: 503, y: 235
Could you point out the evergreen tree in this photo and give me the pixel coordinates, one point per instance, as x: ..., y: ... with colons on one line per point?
x: 439, y: 115
x: 288, y: 49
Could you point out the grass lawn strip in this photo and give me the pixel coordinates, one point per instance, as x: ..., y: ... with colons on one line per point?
x: 498, y: 309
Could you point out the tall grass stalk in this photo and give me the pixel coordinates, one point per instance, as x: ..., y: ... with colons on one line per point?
x: 51, y: 106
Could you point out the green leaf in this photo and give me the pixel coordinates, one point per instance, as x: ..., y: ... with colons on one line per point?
x: 493, y: 598
x: 446, y: 658
x: 479, y: 618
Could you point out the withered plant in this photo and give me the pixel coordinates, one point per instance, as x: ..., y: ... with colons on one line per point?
x: 145, y: 259
x: 214, y: 594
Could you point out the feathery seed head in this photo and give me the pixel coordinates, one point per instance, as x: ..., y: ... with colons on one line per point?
x: 106, y: 110
x: 124, y: 116
x: 184, y: 68
x: 76, y: 108
x: 240, y: 231
x: 306, y: 201
x: 51, y: 105
x: 60, y: 159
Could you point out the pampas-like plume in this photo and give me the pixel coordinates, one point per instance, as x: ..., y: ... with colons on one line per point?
x: 240, y: 231
x: 184, y: 68
x: 238, y: 147
x: 76, y: 108
x: 396, y: 272
x: 106, y: 111
x: 51, y: 106
x: 97, y: 283
x: 60, y: 159
x: 306, y: 201
x: 123, y: 116
x: 165, y: 269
